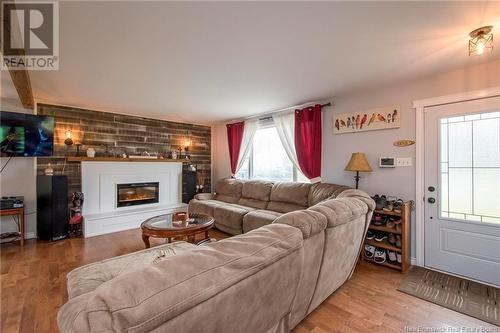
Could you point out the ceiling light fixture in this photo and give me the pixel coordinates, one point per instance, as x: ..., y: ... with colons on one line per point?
x: 481, y: 41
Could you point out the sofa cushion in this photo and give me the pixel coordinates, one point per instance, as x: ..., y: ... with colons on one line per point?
x: 87, y: 278
x: 204, y: 206
x: 322, y: 191
x: 231, y: 215
x: 228, y: 190
x: 258, y: 218
x: 283, y: 207
x: 291, y: 192
x: 257, y: 189
x: 254, y: 203
x: 255, y: 194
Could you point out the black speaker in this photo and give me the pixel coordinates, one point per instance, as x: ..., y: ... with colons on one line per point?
x: 52, y: 207
x: 189, y: 185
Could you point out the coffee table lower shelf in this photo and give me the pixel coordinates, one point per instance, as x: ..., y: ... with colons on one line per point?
x: 164, y: 226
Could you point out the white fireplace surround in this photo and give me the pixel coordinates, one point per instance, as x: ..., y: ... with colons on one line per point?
x: 99, y: 180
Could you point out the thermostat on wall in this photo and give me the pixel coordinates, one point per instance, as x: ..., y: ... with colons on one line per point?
x: 387, y: 162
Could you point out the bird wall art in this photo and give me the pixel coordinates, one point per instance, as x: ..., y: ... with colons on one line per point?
x: 369, y: 120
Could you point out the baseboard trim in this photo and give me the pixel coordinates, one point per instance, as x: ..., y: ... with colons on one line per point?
x: 29, y: 235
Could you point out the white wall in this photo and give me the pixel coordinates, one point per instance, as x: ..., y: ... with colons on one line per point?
x: 19, y: 176
x: 337, y: 149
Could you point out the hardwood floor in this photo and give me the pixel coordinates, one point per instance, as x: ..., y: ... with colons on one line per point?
x: 33, y: 287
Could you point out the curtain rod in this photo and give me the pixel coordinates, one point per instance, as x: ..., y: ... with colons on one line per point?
x: 269, y: 115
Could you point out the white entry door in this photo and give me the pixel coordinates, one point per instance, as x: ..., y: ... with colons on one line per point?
x: 462, y: 189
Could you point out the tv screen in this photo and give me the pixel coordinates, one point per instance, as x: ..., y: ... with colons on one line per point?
x: 26, y: 134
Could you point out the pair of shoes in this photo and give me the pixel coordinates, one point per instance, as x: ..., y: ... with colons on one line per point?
x: 398, y: 204
x: 370, y: 235
x: 378, y: 220
x: 380, y: 201
x: 392, y: 257
x: 380, y: 256
x: 394, y: 240
x: 391, y: 239
x: 389, y: 206
x: 391, y: 223
x: 379, y: 237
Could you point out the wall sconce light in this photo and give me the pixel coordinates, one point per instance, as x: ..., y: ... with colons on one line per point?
x: 481, y: 41
x: 187, y: 143
x: 69, y: 140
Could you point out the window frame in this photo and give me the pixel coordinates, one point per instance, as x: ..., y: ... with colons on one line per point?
x: 265, y: 125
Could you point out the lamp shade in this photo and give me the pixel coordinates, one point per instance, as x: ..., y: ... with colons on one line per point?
x: 358, y: 162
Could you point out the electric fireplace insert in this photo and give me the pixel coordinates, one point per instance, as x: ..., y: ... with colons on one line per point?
x: 136, y: 194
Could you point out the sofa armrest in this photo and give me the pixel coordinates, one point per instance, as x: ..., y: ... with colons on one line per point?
x: 204, y: 196
x: 308, y: 222
x: 351, y: 193
x: 349, y: 205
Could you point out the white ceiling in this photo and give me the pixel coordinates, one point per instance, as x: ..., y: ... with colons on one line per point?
x: 210, y: 61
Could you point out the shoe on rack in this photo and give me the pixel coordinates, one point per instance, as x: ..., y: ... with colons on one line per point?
x: 370, y: 235
x: 369, y: 251
x: 381, y: 202
x: 391, y: 239
x: 398, y: 204
x: 398, y: 256
x: 392, y: 256
x: 398, y: 241
x: 388, y: 206
x: 378, y: 219
x: 380, y: 256
x: 398, y: 225
x: 391, y: 223
x: 380, y: 237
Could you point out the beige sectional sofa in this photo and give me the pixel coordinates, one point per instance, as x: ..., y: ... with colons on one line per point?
x: 239, y: 206
x: 266, y: 280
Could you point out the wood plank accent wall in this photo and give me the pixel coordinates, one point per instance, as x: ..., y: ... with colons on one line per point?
x: 121, y: 134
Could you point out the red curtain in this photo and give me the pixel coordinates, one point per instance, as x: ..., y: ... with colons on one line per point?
x: 234, y: 137
x: 308, y: 140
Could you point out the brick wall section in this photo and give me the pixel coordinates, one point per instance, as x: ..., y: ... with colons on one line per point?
x: 121, y: 134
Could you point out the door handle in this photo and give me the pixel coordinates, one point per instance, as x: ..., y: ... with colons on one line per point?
x: 431, y: 200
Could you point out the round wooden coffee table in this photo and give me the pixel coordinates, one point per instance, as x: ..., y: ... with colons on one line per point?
x: 167, y: 226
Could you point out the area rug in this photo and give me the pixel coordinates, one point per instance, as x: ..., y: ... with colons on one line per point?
x: 471, y: 298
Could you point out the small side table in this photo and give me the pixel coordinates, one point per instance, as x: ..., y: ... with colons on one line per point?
x: 19, y: 212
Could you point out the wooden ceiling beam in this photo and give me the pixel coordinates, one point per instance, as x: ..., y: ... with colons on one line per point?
x: 20, y: 77
x: 21, y: 80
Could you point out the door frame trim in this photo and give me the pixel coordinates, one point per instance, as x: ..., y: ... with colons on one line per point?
x: 420, y: 109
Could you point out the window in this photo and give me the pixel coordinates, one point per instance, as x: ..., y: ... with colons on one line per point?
x: 268, y: 160
x: 470, y: 167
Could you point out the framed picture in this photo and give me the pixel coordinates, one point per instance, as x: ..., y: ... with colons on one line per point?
x: 368, y: 120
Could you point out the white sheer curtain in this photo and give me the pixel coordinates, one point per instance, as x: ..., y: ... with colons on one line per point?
x: 246, y: 143
x: 285, y: 126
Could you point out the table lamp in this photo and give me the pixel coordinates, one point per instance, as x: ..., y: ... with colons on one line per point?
x: 359, y: 164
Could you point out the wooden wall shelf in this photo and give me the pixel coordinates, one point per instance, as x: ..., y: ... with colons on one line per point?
x: 121, y: 159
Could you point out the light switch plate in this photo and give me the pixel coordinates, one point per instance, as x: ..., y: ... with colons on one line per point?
x: 403, y: 161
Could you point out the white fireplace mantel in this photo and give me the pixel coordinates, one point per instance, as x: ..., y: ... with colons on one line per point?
x: 99, y: 180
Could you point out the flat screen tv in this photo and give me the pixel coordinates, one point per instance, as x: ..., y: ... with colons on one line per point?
x: 26, y: 135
